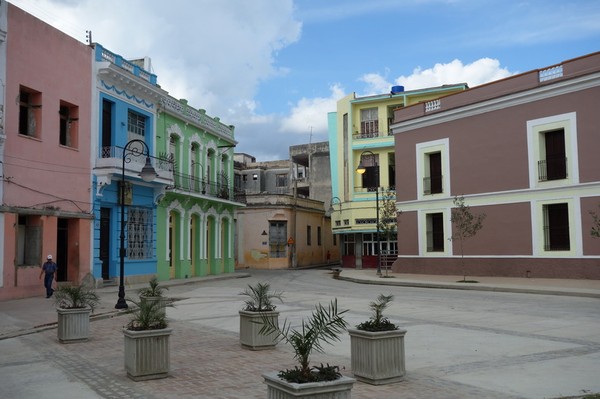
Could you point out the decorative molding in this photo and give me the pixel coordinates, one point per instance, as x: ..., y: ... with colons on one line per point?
x: 124, y: 93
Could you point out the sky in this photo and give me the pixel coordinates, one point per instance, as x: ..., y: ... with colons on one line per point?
x: 275, y: 68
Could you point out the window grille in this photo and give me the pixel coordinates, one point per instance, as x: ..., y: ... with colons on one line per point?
x: 556, y: 227
x: 139, y: 233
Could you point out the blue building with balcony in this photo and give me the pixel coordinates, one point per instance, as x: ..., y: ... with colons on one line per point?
x: 125, y: 99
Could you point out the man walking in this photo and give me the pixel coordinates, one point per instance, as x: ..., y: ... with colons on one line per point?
x: 50, y: 269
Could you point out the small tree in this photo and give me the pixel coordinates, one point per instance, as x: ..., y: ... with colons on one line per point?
x: 388, y: 223
x: 595, y: 232
x: 388, y: 216
x: 466, y: 225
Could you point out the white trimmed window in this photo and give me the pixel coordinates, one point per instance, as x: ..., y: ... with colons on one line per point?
x: 433, y: 169
x: 552, y: 148
x: 555, y: 227
x: 434, y: 228
x: 435, y: 232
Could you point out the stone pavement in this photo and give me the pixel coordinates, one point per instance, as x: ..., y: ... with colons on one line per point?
x: 208, y: 362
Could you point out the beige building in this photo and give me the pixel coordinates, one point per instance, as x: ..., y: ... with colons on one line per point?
x: 286, y: 222
x: 278, y: 231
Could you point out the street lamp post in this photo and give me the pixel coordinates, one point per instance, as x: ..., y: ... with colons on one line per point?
x: 147, y: 174
x: 361, y: 169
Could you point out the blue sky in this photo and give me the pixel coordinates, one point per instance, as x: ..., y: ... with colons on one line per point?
x: 275, y: 68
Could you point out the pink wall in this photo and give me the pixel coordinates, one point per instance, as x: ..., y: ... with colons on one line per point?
x: 506, y: 231
x: 45, y: 178
x: 48, y: 61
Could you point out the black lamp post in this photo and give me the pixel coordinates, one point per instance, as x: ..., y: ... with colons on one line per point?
x: 147, y: 174
x: 360, y: 170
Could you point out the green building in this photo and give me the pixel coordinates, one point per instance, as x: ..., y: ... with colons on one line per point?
x: 195, y: 217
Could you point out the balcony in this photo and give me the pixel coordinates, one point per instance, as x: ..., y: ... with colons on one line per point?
x: 552, y: 169
x: 432, y: 185
x: 366, y: 135
x: 195, y: 185
x: 110, y: 164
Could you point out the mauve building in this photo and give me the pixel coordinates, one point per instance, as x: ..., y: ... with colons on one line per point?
x: 524, y: 151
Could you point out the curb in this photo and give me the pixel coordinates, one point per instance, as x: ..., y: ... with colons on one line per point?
x: 472, y: 287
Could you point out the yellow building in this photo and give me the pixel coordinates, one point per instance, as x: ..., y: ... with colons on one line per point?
x: 359, y: 134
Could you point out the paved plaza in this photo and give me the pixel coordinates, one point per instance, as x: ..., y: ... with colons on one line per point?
x: 499, y: 338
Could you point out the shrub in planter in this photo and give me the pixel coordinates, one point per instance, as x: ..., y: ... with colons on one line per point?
x: 258, y: 304
x: 154, y: 293
x: 303, y: 381
x: 74, y: 303
x: 377, y: 347
x: 147, y: 353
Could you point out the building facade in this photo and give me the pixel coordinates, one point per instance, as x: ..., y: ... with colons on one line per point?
x: 523, y: 151
x: 196, y: 215
x: 359, y: 133
x: 125, y: 106
x: 45, y: 146
x: 284, y: 224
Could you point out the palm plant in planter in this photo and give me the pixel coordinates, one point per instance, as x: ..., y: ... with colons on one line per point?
x: 377, y: 347
x: 323, y: 326
x: 147, y: 354
x: 154, y: 293
x: 259, y: 304
x: 74, y: 303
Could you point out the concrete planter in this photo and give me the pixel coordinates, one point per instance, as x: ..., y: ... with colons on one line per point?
x: 73, y: 324
x: 377, y: 358
x: 250, y: 325
x: 147, y: 354
x: 281, y: 389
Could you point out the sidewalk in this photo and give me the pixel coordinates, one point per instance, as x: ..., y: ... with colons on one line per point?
x: 31, y: 315
x: 27, y: 316
x: 547, y: 286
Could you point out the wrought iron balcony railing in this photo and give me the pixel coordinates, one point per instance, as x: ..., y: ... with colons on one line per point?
x: 197, y: 185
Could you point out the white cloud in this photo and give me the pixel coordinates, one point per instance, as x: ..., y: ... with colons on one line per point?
x: 213, y: 53
x: 376, y: 84
x: 476, y: 73
x: 311, y: 113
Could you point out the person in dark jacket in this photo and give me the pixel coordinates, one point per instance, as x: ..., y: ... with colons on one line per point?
x: 49, y: 268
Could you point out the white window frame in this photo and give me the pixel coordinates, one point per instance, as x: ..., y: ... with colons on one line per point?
x: 422, y: 232
x: 422, y: 156
x: 537, y: 223
x: 536, y: 128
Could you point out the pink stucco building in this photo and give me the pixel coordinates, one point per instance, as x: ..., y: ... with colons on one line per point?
x: 45, y: 154
x: 522, y: 150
